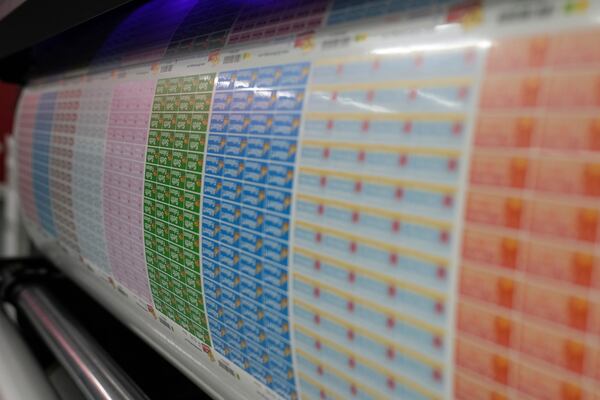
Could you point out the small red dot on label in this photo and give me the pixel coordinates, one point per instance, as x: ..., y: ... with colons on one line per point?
x: 351, y: 277
x: 391, y: 291
x: 403, y: 160
x: 350, y: 306
x: 390, y: 322
x: 358, y: 187
x: 444, y: 236
x: 441, y: 273
x: 439, y: 307
x: 399, y: 193
x: 390, y: 353
x: 350, y: 334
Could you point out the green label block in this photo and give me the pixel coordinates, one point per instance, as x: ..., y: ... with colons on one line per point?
x: 172, y: 191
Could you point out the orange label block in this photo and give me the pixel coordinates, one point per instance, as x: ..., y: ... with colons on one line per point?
x: 560, y: 264
x: 488, y: 287
x: 499, y: 170
x: 563, y: 221
x: 488, y: 248
x: 509, y: 212
x: 506, y: 132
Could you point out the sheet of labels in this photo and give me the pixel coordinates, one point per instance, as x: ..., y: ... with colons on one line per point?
x: 346, y: 200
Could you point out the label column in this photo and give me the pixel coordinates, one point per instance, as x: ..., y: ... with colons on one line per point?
x: 377, y: 208
x: 251, y: 152
x: 172, y: 191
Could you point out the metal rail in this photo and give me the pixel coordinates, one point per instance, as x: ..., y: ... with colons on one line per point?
x: 92, y: 369
x: 21, y: 377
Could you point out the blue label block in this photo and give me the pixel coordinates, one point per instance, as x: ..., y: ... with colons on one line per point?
x: 275, y: 275
x: 252, y: 219
x: 231, y: 190
x: 215, y: 143
x: 278, y: 201
x: 233, y: 168
x: 237, y: 123
x: 211, y: 207
x: 211, y: 269
x: 289, y: 100
x: 251, y: 242
x: 214, y: 165
x: 227, y: 256
x: 230, y: 299
x: 264, y: 100
x: 212, y: 186
x: 251, y: 289
x: 242, y: 100
x: 229, y: 279
x: 250, y: 266
x: 280, y: 175
x: 230, y: 213
x: 275, y: 300
x: 221, y: 101
x: 275, y: 251
x: 277, y: 323
x: 251, y: 330
x: 254, y: 313
x: 294, y: 74
x: 283, y: 150
x: 268, y: 77
x: 225, y: 80
x: 255, y: 171
x: 276, y: 226
x: 287, y: 125
x: 258, y: 148
x: 210, y: 249
x: 259, y: 124
x: 253, y: 195
x: 210, y: 229
x: 212, y: 290
x: 245, y: 78
x: 219, y: 123
x: 229, y: 235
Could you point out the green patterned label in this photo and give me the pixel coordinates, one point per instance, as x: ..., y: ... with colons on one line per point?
x: 172, y: 188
